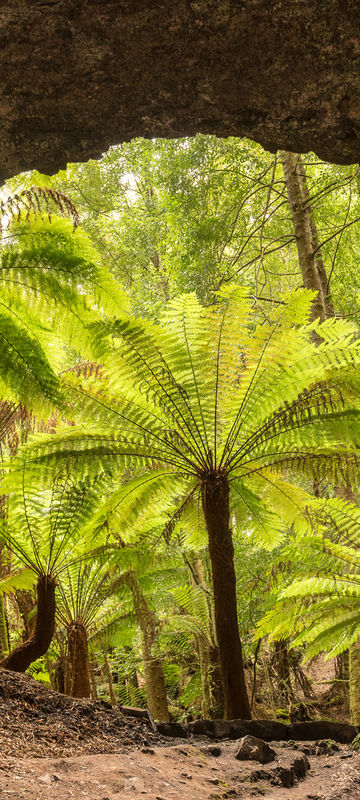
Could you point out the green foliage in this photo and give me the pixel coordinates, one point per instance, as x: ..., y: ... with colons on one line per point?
x: 317, y: 598
x: 52, y: 288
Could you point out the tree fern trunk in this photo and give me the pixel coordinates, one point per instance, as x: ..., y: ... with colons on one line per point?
x: 78, y: 679
x: 36, y: 646
x: 215, y: 500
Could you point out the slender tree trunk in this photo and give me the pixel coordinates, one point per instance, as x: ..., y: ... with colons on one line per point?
x: 109, y: 678
x: 216, y: 683
x: 4, y: 632
x: 215, y: 500
x: 282, y: 668
x: 93, y: 689
x: 315, y: 243
x: 59, y: 675
x: 26, y: 603
x: 77, y: 678
x: 342, y: 667
x: 131, y: 683
x: 202, y: 643
x: 3, y: 629
x: 132, y: 687
x: 23, y: 655
x: 153, y: 671
x: 354, y: 682
x: 307, y: 241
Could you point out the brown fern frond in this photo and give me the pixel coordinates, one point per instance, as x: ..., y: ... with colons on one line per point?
x: 38, y: 200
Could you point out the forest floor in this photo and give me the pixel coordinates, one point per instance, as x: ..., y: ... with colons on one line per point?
x: 54, y: 747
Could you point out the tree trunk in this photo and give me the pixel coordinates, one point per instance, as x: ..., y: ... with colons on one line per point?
x: 109, y: 678
x: 130, y: 680
x: 153, y: 671
x: 215, y: 501
x: 59, y: 675
x: 36, y: 646
x: 342, y: 666
x: 354, y: 682
x: 202, y: 643
x: 310, y: 260
x: 216, y: 683
x: 282, y: 668
x: 315, y: 243
x: 26, y: 603
x: 93, y: 689
x: 77, y: 674
x: 3, y: 629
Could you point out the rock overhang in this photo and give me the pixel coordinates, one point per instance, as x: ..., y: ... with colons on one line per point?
x: 79, y: 76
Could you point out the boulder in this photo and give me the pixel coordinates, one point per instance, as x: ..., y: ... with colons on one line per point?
x: 236, y: 728
x: 253, y: 749
x: 174, y: 729
x: 267, y: 729
x: 213, y: 728
x: 321, y: 729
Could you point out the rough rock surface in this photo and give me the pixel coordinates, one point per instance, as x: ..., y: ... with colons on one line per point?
x: 77, y: 77
x: 253, y: 749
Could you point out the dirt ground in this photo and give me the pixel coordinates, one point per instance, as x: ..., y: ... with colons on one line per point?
x: 54, y: 747
x: 174, y: 773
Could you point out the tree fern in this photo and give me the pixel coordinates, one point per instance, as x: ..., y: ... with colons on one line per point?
x: 42, y: 531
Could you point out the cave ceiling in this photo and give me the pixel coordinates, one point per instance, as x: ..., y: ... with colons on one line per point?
x: 80, y: 75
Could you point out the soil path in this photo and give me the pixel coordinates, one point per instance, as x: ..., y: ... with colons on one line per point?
x: 178, y: 772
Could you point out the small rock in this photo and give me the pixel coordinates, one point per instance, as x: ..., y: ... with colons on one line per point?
x: 252, y: 749
x: 286, y: 777
x: 258, y: 775
x: 300, y: 766
x: 326, y: 747
x: 213, y: 750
